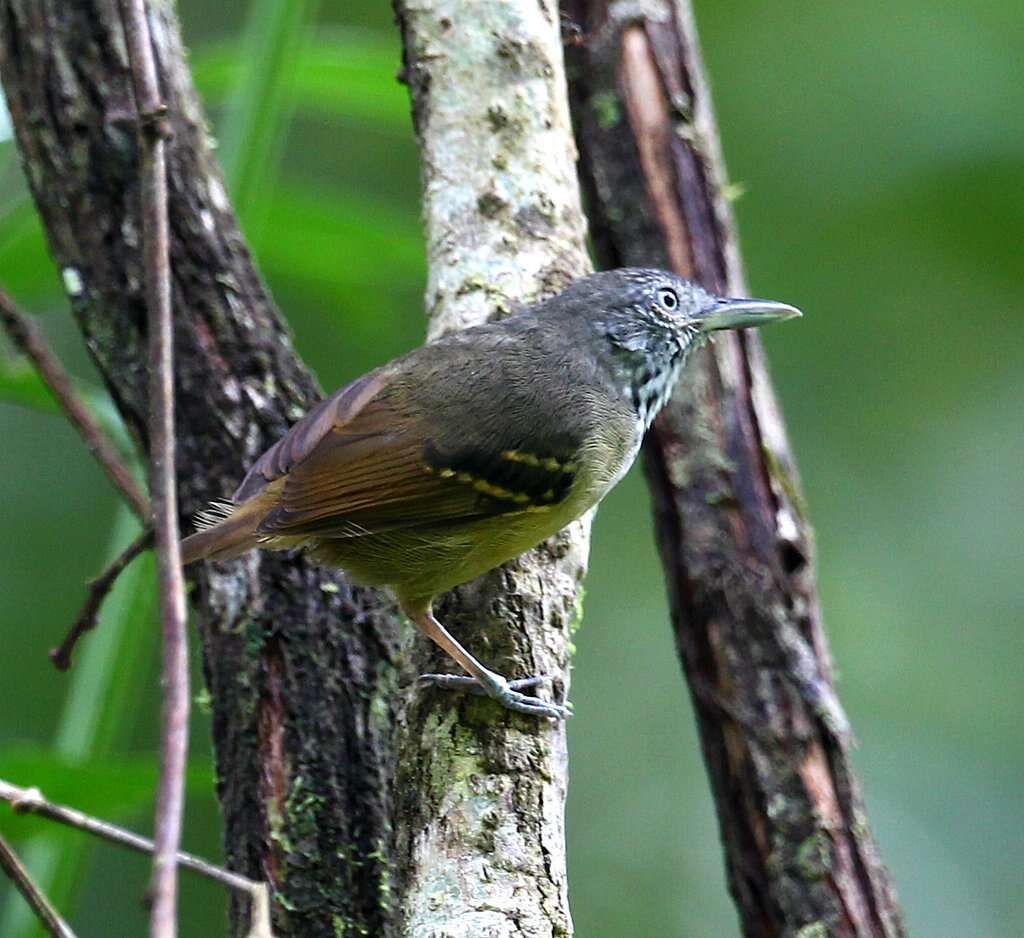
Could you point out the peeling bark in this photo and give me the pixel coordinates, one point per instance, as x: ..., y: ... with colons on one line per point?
x: 734, y: 540
x: 481, y: 791
x: 301, y: 667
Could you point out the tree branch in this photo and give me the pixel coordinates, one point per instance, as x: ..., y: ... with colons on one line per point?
x: 99, y: 589
x: 27, y: 337
x: 302, y: 668
x: 48, y: 916
x: 481, y: 792
x: 31, y: 801
x: 153, y: 130
x: 733, y: 537
x: 29, y: 340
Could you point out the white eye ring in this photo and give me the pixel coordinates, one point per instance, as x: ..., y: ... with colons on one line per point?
x: 668, y: 298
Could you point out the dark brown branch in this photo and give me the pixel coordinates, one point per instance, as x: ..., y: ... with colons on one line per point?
x: 99, y: 588
x: 48, y: 916
x: 264, y: 619
x: 30, y: 341
x: 734, y: 541
x: 31, y: 801
x: 153, y: 130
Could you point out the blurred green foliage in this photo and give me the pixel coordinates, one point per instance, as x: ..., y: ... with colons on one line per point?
x: 881, y: 149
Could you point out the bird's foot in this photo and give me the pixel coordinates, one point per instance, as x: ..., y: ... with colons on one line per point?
x: 506, y: 692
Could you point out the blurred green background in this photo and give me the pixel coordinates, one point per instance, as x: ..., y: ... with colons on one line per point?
x: 881, y: 147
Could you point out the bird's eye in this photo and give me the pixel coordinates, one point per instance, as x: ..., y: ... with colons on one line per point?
x: 668, y: 299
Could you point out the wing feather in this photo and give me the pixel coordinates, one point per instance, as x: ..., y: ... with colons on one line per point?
x: 332, y: 412
x: 383, y: 454
x: 364, y: 477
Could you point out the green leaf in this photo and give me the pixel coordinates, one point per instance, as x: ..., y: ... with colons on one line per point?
x: 108, y: 675
x: 108, y: 790
x: 21, y: 384
x: 262, y: 101
x: 28, y: 271
x: 347, y: 75
x: 327, y: 239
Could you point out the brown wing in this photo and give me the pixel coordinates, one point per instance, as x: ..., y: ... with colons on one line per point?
x: 353, y: 466
x: 333, y: 411
x: 365, y: 477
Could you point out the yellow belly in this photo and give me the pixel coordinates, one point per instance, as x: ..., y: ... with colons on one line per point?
x: 421, y: 562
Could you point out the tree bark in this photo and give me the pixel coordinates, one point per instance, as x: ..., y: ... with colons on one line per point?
x: 307, y: 673
x: 480, y: 792
x: 302, y: 668
x: 734, y: 539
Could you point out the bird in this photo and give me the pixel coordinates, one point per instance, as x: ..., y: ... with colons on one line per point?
x: 466, y: 452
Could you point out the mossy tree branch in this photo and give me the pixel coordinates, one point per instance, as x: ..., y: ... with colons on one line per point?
x: 481, y: 791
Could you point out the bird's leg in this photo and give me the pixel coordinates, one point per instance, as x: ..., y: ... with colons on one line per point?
x: 482, y: 680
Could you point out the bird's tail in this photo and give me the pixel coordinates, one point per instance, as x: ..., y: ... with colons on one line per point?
x: 225, y: 530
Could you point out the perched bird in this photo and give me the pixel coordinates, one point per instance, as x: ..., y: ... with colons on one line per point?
x: 464, y: 453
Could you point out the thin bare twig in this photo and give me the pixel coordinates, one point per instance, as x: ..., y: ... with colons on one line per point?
x: 153, y: 131
x: 29, y: 340
x: 32, y: 801
x: 48, y: 916
x: 99, y: 588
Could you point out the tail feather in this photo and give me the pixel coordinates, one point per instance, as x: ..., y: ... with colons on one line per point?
x: 224, y: 531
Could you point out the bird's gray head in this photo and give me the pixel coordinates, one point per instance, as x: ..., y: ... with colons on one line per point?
x: 651, y: 319
x: 640, y: 309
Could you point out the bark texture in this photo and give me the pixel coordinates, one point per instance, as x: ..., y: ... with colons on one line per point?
x: 481, y: 791
x: 300, y: 666
x: 734, y: 539
x: 306, y: 673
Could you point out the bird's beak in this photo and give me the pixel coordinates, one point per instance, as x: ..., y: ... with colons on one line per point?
x: 743, y: 314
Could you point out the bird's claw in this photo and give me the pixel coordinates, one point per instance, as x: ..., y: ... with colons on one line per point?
x: 506, y: 692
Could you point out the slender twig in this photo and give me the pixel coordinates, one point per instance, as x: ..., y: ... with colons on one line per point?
x: 29, y: 340
x: 48, y: 916
x: 153, y: 131
x: 99, y: 588
x: 32, y: 801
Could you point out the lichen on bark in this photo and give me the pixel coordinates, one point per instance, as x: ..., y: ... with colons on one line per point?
x: 482, y: 792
